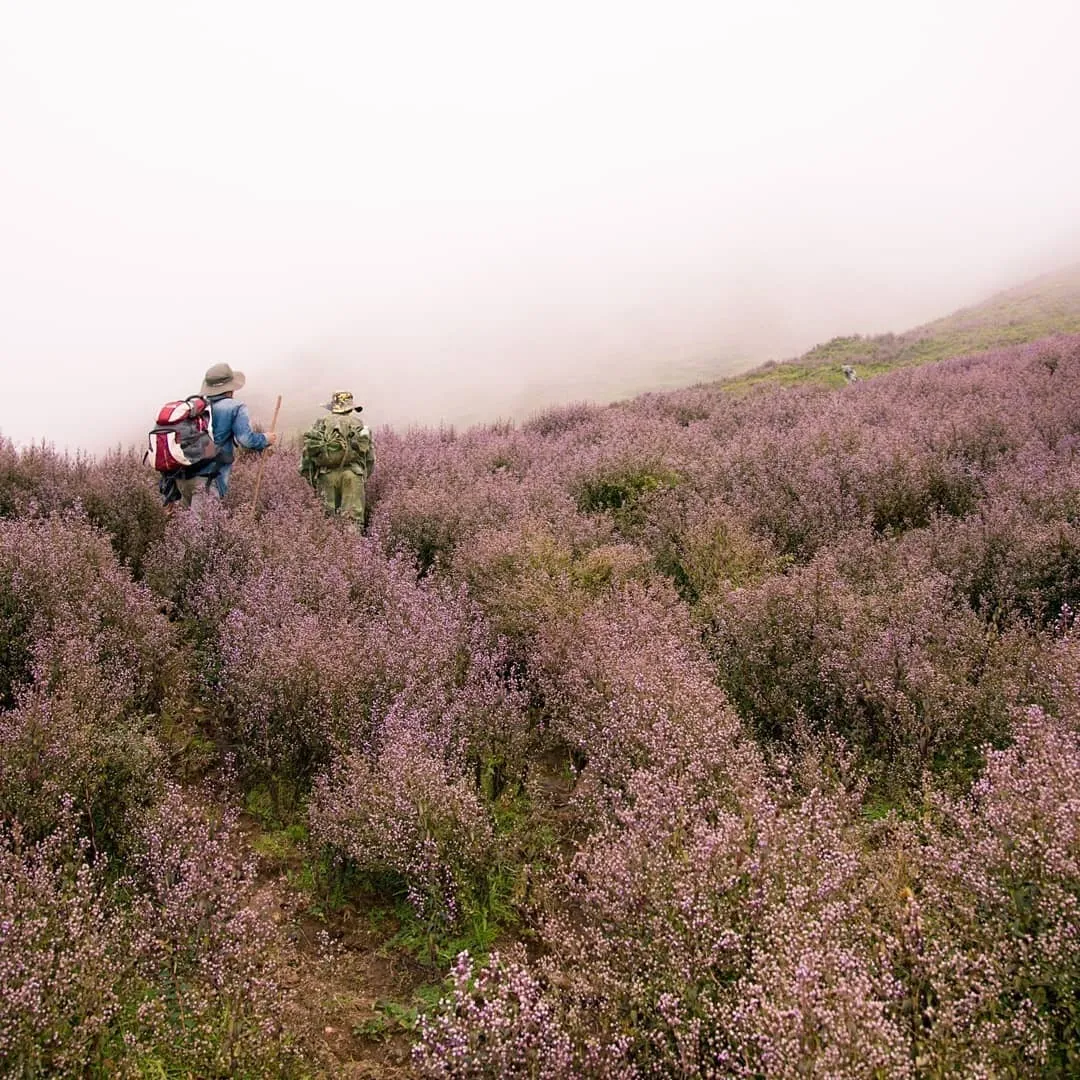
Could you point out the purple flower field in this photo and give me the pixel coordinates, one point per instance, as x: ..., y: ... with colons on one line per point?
x: 712, y: 734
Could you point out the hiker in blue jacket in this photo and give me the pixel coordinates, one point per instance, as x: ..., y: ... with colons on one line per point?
x: 231, y: 427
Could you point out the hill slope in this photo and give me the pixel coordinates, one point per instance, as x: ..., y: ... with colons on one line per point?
x: 1049, y: 304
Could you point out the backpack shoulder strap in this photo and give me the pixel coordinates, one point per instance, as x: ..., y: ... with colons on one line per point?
x: 199, y: 405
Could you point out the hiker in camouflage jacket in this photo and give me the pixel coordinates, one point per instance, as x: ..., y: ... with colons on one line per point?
x: 337, y: 458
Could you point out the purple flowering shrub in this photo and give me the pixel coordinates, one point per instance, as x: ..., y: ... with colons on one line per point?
x: 60, y: 582
x: 326, y: 658
x: 214, y: 1000
x: 37, y: 479
x: 804, y: 466
x: 561, y: 419
x: 63, y: 956
x: 208, y: 559
x: 692, y: 937
x: 283, y: 492
x: 729, y: 914
x: 410, y: 817
x: 165, y: 970
x: 989, y: 945
x: 1011, y: 564
x: 1054, y: 675
x: 468, y: 1037
x: 87, y: 658
x: 873, y: 647
x: 310, y: 662
x: 445, y: 488
x: 117, y: 492
x: 121, y: 497
x: 626, y: 686
x: 786, y: 936
x: 76, y: 743
x: 421, y: 743
x: 197, y: 572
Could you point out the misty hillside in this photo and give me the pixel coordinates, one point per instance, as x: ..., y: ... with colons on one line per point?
x: 1047, y: 305
x: 730, y: 731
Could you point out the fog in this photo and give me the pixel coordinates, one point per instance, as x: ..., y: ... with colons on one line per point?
x: 467, y: 211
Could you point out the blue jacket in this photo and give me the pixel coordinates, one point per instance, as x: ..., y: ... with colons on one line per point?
x: 232, y: 427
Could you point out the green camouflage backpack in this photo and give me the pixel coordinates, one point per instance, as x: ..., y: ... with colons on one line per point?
x: 335, y: 442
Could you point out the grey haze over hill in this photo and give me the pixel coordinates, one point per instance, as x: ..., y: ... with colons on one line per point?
x: 467, y: 212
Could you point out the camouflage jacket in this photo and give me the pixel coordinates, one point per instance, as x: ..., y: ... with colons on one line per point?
x: 337, y: 441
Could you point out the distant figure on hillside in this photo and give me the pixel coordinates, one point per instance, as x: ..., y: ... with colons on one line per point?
x: 338, y: 456
x: 849, y: 373
x: 231, y: 427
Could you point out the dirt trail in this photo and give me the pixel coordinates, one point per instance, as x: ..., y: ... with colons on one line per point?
x: 356, y: 994
x: 351, y: 993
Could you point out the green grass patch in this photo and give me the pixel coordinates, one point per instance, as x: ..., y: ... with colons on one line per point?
x: 329, y: 887
x: 478, y: 932
x: 400, y: 1017
x: 620, y: 487
x: 282, y: 846
x: 844, y: 350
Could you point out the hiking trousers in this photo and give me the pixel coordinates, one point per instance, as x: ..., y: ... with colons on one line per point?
x: 341, y: 491
x: 193, y: 488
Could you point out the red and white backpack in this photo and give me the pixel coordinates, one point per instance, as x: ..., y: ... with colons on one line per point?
x: 183, y: 435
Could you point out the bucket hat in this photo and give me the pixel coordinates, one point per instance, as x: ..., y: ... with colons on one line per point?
x: 342, y: 402
x: 220, y: 379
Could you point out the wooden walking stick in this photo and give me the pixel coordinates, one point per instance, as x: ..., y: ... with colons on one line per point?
x: 262, y: 460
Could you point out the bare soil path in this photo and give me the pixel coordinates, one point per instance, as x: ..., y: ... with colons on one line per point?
x: 355, y: 997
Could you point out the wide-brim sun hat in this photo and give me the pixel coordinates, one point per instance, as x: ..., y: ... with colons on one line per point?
x: 220, y: 379
x: 342, y: 402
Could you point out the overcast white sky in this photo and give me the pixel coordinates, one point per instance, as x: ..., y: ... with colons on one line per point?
x: 463, y: 210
